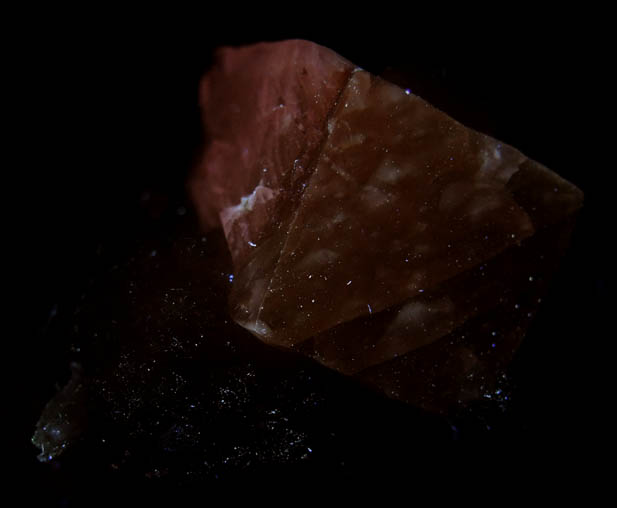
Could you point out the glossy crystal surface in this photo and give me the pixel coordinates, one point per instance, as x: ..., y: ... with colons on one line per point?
x: 369, y: 230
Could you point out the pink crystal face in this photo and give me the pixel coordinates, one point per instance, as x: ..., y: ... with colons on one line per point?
x: 264, y: 109
x: 368, y: 229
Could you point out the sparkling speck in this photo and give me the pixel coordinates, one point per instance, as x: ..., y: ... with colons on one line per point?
x: 252, y: 244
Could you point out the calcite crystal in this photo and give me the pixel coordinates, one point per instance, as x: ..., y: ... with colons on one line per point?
x: 370, y: 230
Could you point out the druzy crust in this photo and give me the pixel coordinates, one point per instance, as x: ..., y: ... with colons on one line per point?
x: 368, y: 229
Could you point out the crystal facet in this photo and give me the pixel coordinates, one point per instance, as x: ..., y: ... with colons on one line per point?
x: 370, y: 230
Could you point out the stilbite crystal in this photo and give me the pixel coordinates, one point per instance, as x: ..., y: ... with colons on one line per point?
x: 368, y: 229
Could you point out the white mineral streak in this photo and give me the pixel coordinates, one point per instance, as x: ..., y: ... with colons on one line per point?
x: 233, y: 217
x: 352, y: 140
x: 388, y: 173
x: 418, y: 312
x: 259, y: 328
x: 392, y: 94
x: 343, y: 174
x: 317, y: 259
x: 360, y: 84
x: 425, y: 320
x: 331, y: 125
x: 372, y: 197
x: 500, y: 163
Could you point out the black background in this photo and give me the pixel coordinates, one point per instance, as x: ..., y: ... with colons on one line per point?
x: 108, y: 111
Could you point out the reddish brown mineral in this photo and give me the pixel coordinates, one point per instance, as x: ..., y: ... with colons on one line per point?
x: 368, y: 229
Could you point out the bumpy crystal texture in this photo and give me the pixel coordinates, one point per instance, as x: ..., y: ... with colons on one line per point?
x: 370, y: 230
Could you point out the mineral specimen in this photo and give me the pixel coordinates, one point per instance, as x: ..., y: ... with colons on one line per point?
x: 370, y: 230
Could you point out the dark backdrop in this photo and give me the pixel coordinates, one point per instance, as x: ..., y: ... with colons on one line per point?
x: 109, y: 116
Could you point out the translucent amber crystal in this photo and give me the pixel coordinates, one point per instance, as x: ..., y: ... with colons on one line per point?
x: 370, y: 230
